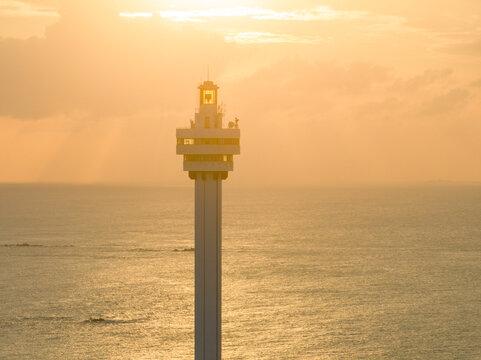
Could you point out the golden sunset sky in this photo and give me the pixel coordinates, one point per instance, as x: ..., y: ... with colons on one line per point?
x: 331, y: 92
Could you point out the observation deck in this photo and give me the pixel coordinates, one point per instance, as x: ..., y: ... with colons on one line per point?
x: 207, y: 146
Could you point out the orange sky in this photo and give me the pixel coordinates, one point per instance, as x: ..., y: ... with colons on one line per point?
x: 332, y: 92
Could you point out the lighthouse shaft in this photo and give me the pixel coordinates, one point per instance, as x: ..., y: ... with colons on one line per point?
x: 208, y: 263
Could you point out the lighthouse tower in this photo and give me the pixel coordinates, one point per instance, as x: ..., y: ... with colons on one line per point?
x: 208, y: 148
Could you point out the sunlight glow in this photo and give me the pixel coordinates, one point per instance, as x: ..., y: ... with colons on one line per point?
x: 319, y: 13
x: 138, y: 14
x: 267, y: 37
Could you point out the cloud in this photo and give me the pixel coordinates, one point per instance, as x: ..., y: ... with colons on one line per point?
x: 242, y: 24
x: 136, y: 14
x: 23, y: 9
x: 447, y: 103
x: 329, y: 122
x: 476, y: 83
x: 429, y: 78
x: 318, y: 13
x: 93, y: 61
x: 317, y: 104
x: 268, y: 37
x: 470, y: 48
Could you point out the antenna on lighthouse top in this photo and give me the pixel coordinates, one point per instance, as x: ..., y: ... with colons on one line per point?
x: 208, y: 78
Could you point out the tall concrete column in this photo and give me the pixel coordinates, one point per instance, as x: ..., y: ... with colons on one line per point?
x: 208, y: 250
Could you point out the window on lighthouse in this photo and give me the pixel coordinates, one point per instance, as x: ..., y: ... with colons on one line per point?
x: 208, y: 97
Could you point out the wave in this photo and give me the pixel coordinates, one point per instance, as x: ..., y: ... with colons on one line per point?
x: 146, y: 250
x: 35, y: 245
x: 102, y: 320
x: 47, y: 318
x: 22, y: 245
x: 90, y: 320
x: 185, y: 249
x: 159, y: 250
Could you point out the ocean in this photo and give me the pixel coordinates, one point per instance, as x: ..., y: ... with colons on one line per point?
x: 308, y: 273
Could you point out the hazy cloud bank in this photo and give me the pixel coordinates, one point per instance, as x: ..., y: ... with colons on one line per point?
x: 106, y: 93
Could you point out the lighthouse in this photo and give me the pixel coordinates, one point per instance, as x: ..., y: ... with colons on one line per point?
x: 208, y: 149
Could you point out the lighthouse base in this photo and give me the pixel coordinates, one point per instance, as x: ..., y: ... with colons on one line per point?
x: 208, y: 261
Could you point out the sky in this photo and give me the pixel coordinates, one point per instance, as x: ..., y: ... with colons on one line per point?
x: 331, y: 92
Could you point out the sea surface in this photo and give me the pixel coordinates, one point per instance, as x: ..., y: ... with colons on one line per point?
x: 317, y: 273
